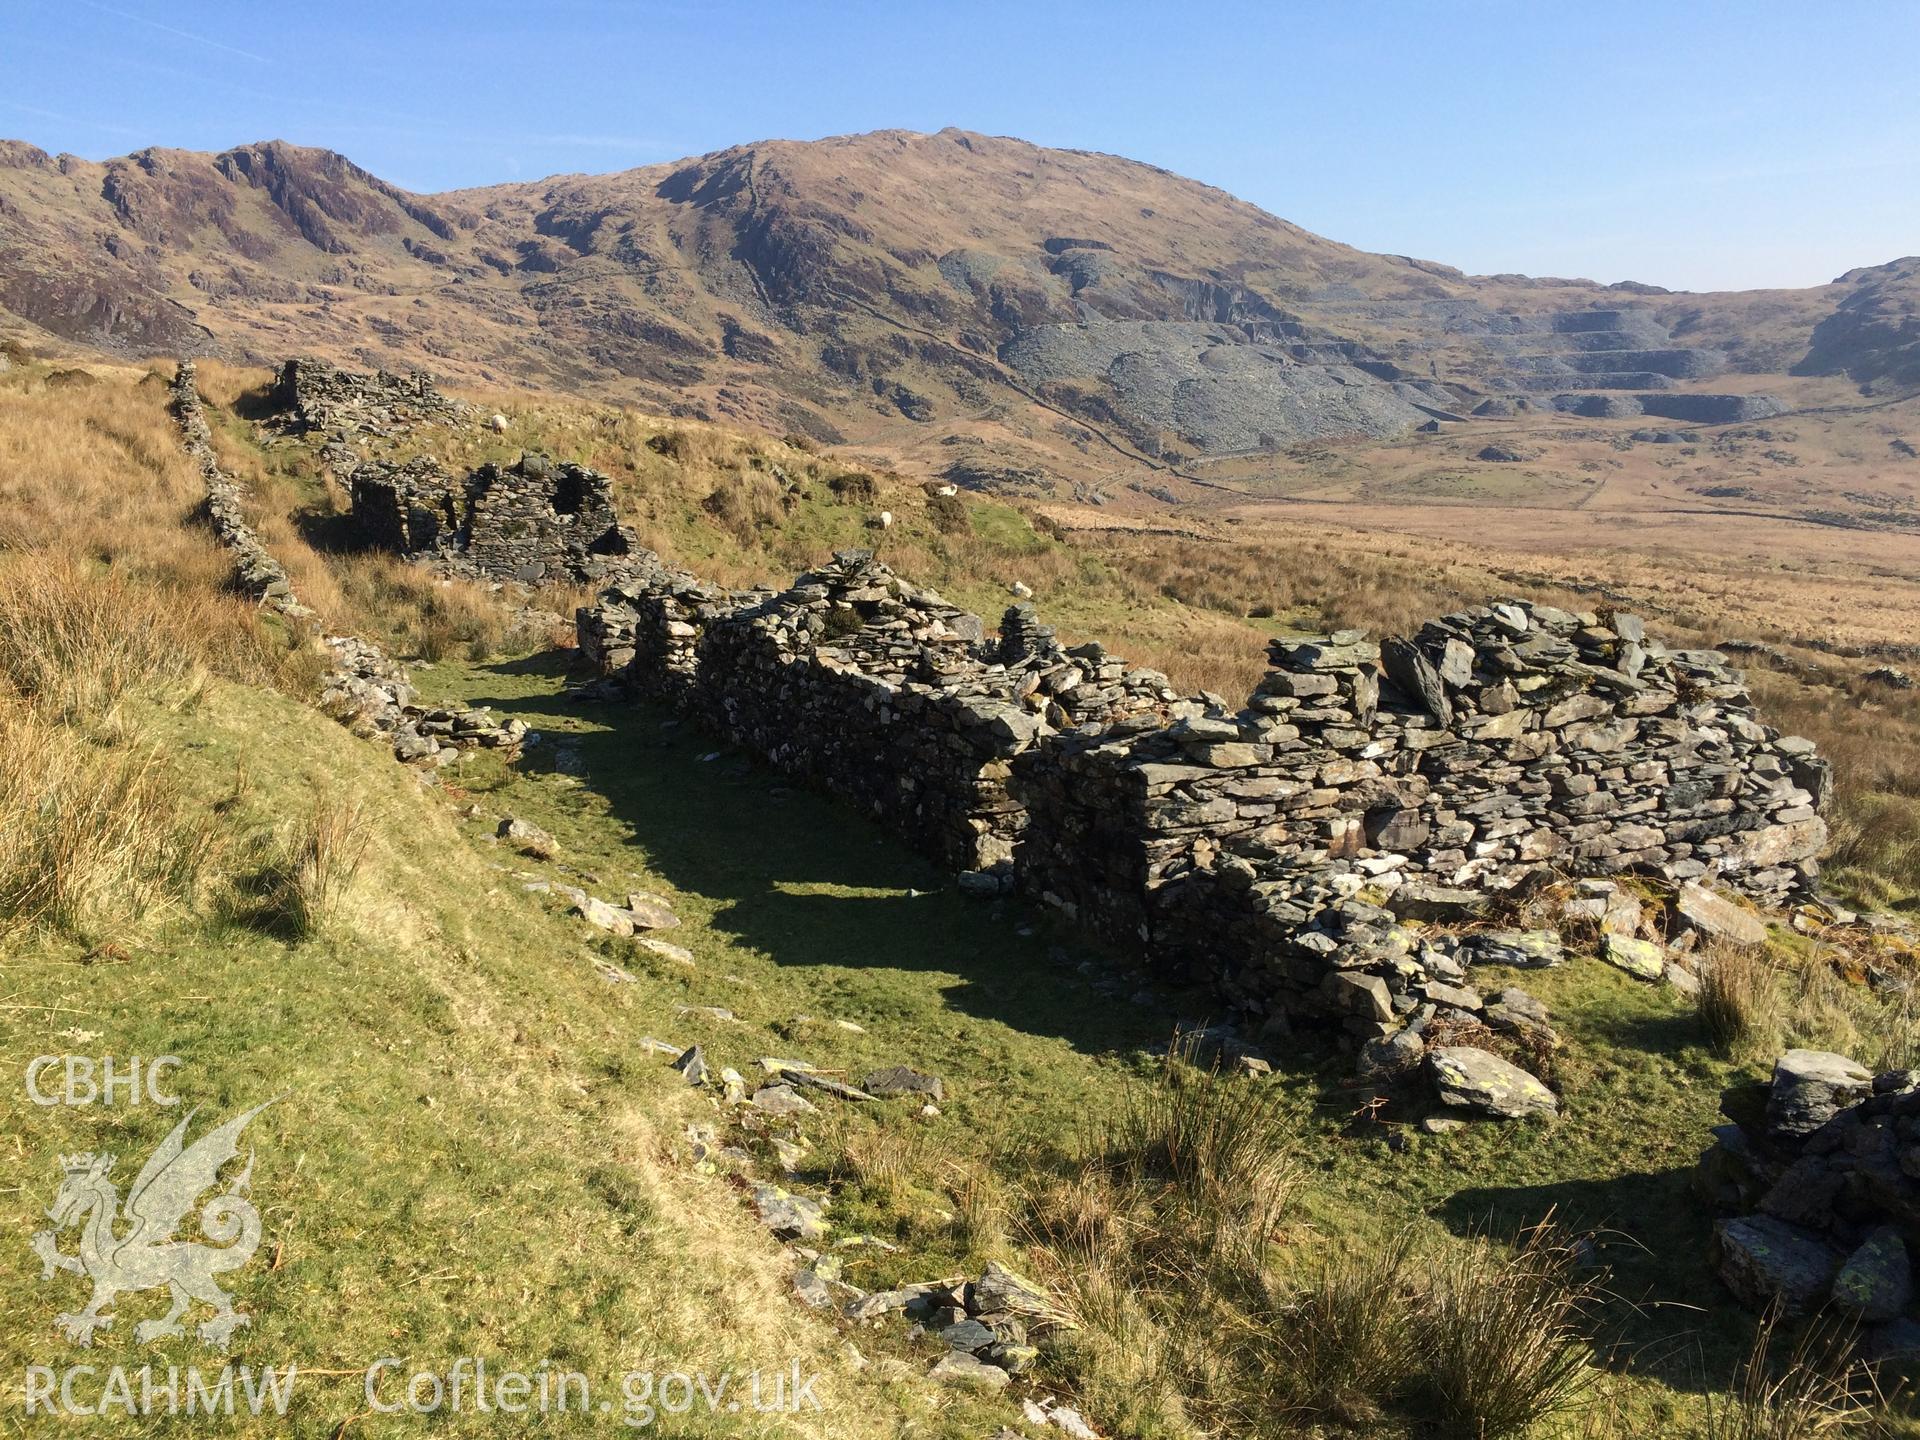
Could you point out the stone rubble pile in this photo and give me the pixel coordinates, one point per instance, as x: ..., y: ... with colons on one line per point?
x: 364, y: 688
x: 369, y: 692
x: 987, y: 1326
x: 1820, y: 1177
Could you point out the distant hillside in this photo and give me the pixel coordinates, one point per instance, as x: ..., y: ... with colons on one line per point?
x: 1034, y: 309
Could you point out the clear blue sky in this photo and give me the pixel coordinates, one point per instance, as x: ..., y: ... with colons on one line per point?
x: 1696, y: 145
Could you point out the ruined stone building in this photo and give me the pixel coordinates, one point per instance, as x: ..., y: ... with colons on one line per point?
x: 1272, y: 852
x: 531, y: 521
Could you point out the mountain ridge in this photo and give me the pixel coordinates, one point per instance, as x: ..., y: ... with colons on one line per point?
x: 886, y: 287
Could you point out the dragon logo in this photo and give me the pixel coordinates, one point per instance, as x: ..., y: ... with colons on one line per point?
x: 147, y: 1255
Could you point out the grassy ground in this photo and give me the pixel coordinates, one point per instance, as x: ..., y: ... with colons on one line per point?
x: 478, y: 1155
x: 472, y: 1156
x: 798, y: 909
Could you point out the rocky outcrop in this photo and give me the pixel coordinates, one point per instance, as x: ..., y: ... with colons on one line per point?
x: 1222, y: 388
x: 1873, y: 335
x: 1820, y: 1176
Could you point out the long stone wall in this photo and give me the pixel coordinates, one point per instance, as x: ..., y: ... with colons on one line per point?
x: 870, y: 688
x: 1273, y: 852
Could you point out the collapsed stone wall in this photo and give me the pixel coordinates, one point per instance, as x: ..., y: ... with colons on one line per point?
x: 1819, y: 1176
x: 645, y: 628
x: 1273, y: 851
x: 344, y: 406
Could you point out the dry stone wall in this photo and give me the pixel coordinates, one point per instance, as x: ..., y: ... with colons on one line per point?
x: 1275, y: 851
x: 256, y: 572
x: 348, y: 407
x: 869, y: 687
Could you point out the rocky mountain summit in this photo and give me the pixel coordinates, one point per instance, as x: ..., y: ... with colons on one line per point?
x: 888, y: 286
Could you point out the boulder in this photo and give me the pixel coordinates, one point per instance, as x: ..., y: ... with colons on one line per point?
x: 1810, y: 1087
x: 1515, y: 1012
x: 904, y: 1080
x: 692, y: 1063
x: 1876, y: 1280
x: 781, y: 1100
x: 1717, y: 916
x: 1765, y: 1261
x: 528, y: 838
x: 1002, y: 1290
x: 1682, y: 979
x: 1366, y: 996
x: 649, y: 913
x: 1480, y: 1080
x: 1524, y: 949
x: 1390, y: 1057
x: 813, y: 1080
x: 968, y: 1335
x: 789, y: 1216
x: 1641, y: 959
x: 603, y: 916
x: 957, y: 1367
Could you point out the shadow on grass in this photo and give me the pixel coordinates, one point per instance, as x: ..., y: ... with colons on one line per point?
x: 1665, y: 1314
x: 808, y: 881
x: 330, y: 532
